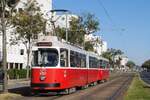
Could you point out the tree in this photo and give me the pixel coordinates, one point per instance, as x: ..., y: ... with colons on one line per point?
x: 118, y: 62
x: 78, y: 27
x: 90, y: 22
x: 28, y: 24
x: 130, y: 64
x: 146, y: 64
x: 4, y: 19
x: 110, y: 55
x: 89, y: 46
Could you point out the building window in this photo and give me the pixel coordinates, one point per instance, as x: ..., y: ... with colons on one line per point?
x: 16, y: 65
x: 11, y: 65
x: 7, y: 65
x: 22, y: 52
x: 21, y: 66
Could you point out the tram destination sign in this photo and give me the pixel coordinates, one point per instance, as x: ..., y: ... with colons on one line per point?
x: 44, y: 44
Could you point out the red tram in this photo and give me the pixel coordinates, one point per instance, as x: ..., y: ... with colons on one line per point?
x: 58, y: 66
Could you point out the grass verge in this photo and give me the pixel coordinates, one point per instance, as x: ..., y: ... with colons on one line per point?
x: 9, y: 96
x: 138, y: 90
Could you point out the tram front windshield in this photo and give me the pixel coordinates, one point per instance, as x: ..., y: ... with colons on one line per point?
x: 45, y: 58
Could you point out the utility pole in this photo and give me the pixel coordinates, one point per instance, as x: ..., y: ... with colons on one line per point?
x: 66, y: 14
x: 66, y: 27
x: 4, y: 57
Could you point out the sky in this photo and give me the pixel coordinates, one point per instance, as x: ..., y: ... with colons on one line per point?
x: 124, y: 24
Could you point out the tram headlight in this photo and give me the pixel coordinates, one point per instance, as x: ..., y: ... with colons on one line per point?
x: 42, y: 77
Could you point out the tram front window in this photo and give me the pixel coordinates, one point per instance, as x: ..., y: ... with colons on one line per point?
x: 45, y: 57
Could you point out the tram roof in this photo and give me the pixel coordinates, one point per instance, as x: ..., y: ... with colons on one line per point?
x: 56, y: 43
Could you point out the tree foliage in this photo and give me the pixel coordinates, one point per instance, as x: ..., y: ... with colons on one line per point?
x: 6, y: 7
x: 115, y: 52
x: 130, y: 64
x: 110, y: 54
x: 89, y: 46
x: 78, y: 27
x: 28, y: 23
x: 90, y: 23
x: 146, y: 64
x: 118, y: 61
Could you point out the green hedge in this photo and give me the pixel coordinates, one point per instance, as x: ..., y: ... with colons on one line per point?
x: 17, y: 74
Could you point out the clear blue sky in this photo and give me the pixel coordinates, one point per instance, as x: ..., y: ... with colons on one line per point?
x: 127, y: 27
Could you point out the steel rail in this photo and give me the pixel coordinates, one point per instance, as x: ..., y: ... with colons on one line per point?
x: 121, y: 89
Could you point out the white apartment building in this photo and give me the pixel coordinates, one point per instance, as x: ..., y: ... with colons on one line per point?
x: 123, y: 62
x: 64, y: 20
x: 16, y: 54
x: 100, y: 46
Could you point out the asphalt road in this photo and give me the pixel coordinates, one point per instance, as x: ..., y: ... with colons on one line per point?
x: 145, y: 76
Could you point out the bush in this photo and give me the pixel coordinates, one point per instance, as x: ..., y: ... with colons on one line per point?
x: 22, y: 73
x: 12, y: 73
x: 15, y: 73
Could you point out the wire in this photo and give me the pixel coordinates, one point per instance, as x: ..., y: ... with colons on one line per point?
x: 108, y: 16
x: 106, y: 12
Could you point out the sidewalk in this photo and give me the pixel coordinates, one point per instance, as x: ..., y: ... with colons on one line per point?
x: 16, y: 83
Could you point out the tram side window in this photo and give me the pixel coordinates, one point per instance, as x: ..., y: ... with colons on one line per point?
x: 77, y: 59
x: 101, y: 63
x: 107, y: 65
x: 104, y: 64
x: 83, y: 60
x: 72, y: 59
x: 93, y: 62
x: 63, y: 57
x: 90, y: 62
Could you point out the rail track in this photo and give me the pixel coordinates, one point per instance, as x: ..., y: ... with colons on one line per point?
x: 118, y: 94
x: 111, y: 90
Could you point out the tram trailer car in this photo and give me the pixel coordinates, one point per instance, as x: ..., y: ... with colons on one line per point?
x: 58, y: 66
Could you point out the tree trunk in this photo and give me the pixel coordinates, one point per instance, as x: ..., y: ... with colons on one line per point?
x: 3, y: 23
x: 28, y: 67
x: 28, y: 58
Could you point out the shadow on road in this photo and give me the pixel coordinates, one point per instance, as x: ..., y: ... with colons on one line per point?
x: 24, y: 91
